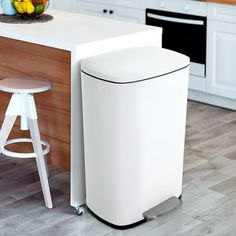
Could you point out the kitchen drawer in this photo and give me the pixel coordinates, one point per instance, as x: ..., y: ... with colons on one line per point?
x: 221, y: 12
x: 94, y: 9
x: 61, y: 5
x: 122, y: 3
x: 111, y: 11
x: 194, y: 7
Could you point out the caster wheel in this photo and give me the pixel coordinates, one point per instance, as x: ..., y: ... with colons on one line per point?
x: 80, y: 210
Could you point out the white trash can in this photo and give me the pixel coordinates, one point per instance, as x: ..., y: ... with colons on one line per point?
x: 134, y: 115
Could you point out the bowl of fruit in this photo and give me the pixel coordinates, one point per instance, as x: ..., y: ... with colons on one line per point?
x: 30, y: 8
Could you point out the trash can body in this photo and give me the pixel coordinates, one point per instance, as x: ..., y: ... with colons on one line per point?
x: 134, y: 135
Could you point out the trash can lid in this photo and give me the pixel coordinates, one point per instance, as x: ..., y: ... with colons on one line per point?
x: 134, y: 64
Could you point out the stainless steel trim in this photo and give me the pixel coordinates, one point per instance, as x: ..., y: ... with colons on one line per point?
x: 177, y: 20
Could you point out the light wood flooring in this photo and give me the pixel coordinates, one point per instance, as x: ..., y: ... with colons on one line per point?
x: 209, y: 189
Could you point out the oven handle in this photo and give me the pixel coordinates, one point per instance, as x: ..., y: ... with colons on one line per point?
x: 176, y: 20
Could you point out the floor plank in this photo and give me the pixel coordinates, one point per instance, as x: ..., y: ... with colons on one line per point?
x: 209, y: 189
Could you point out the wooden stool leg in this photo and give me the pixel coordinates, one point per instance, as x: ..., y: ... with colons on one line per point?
x: 6, y: 129
x: 35, y: 135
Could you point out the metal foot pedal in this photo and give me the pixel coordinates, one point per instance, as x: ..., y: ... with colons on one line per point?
x: 161, y: 208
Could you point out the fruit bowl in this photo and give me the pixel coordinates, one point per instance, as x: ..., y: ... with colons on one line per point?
x: 30, y: 8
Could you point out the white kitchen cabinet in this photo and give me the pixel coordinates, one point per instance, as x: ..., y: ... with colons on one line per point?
x: 62, y: 5
x: 221, y: 51
x: 123, y: 3
x: 111, y: 11
x: 221, y: 12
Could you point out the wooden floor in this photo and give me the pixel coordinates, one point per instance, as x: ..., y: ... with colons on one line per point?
x: 209, y: 189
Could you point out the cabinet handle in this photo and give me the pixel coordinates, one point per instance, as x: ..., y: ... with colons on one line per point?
x: 104, y: 10
x: 111, y: 11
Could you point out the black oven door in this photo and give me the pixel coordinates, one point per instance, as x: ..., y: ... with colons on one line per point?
x: 182, y: 33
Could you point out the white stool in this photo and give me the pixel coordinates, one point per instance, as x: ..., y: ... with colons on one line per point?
x: 22, y: 104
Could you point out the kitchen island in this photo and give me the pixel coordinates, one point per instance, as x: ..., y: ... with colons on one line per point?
x: 53, y: 50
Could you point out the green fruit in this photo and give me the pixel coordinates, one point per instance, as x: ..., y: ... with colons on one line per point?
x: 39, y: 9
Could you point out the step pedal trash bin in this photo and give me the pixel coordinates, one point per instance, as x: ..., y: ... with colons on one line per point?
x: 134, y: 116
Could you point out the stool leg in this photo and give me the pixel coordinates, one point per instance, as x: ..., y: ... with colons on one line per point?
x: 35, y: 135
x: 46, y: 166
x: 6, y: 129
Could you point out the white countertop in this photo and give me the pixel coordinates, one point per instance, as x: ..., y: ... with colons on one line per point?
x: 67, y: 30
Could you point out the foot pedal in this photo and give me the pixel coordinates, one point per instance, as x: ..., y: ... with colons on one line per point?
x: 161, y: 208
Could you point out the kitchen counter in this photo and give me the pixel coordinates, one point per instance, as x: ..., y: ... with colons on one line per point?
x: 223, y: 1
x: 68, y: 30
x: 53, y: 50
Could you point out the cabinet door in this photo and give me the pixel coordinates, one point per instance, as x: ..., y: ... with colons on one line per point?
x: 221, y: 59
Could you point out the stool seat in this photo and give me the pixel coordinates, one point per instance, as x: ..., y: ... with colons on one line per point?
x: 25, y: 85
x: 22, y: 104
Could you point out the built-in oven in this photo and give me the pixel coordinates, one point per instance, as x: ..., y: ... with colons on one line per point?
x: 184, y: 33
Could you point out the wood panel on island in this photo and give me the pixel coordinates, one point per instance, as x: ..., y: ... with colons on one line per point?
x: 18, y: 58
